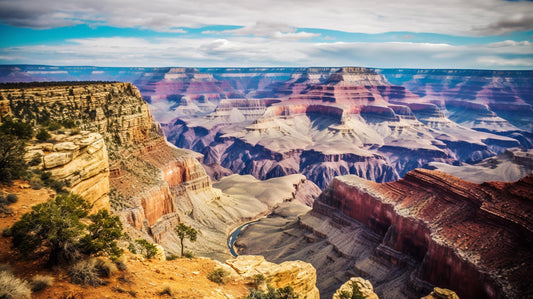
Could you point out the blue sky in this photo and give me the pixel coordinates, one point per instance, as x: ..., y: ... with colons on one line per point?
x: 485, y: 34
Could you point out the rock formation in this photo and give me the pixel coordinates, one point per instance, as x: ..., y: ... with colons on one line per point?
x: 299, y: 275
x: 429, y: 228
x: 79, y: 160
x: 353, y: 121
x: 440, y: 293
x: 382, y: 123
x: 510, y: 166
x: 364, y: 286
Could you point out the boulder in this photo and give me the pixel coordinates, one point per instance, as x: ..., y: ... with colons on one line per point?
x: 365, y: 287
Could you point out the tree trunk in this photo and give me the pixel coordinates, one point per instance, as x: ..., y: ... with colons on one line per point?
x: 181, y: 239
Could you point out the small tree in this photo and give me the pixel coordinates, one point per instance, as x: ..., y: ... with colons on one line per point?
x: 55, y: 229
x: 13, y: 136
x: 103, y: 232
x: 185, y: 232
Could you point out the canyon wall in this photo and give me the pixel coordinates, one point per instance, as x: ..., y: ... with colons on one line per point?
x: 103, y: 119
x: 458, y: 231
x: 406, y: 237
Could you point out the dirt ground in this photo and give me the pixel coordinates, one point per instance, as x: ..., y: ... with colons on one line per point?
x: 185, y: 278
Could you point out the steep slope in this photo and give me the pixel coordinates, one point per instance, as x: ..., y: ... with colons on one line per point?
x: 429, y: 228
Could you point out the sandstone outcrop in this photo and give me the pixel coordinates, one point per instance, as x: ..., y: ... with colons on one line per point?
x: 440, y: 293
x: 457, y: 230
x: 364, y: 286
x: 299, y: 275
x: 112, y: 115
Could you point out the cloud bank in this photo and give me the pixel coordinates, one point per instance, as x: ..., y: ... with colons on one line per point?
x: 261, y: 51
x: 472, y: 17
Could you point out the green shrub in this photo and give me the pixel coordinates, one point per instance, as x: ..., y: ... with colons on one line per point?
x: 258, y: 280
x: 68, y: 123
x: 219, y: 276
x: 41, y: 282
x: 171, y: 257
x: 281, y: 293
x: 53, y: 125
x: 149, y: 249
x: 85, y: 273
x: 36, y: 160
x: 354, y: 294
x: 12, y: 164
x: 103, y: 231
x: 57, y: 228
x: 12, y: 287
x: 43, y: 135
x: 19, y: 129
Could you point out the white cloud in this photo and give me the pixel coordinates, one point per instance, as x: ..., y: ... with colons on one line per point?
x: 265, y: 29
x: 260, y: 51
x: 472, y: 17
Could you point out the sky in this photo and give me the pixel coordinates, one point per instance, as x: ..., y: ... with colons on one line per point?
x: 459, y: 34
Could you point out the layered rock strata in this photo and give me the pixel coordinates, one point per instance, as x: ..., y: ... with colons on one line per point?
x: 457, y: 230
x: 428, y: 229
x: 151, y: 184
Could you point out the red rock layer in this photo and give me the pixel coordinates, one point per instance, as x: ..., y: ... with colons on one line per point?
x: 474, y: 239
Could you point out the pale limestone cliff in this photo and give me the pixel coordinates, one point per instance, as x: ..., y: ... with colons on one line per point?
x: 364, y: 286
x: 80, y: 160
x: 299, y: 275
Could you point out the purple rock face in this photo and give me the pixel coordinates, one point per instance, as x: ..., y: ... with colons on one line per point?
x: 325, y: 122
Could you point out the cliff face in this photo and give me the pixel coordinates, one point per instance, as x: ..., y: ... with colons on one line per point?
x: 345, y: 121
x: 112, y: 117
x: 458, y: 231
x: 81, y: 161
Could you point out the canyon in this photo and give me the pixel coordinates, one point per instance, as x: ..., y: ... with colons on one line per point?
x: 429, y: 228
x: 323, y: 122
x: 118, y: 158
x: 326, y: 161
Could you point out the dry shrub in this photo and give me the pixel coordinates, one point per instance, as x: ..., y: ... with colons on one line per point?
x: 121, y: 263
x: 219, y: 276
x: 105, y: 267
x: 167, y: 290
x: 85, y: 273
x: 41, y: 282
x: 12, y: 287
